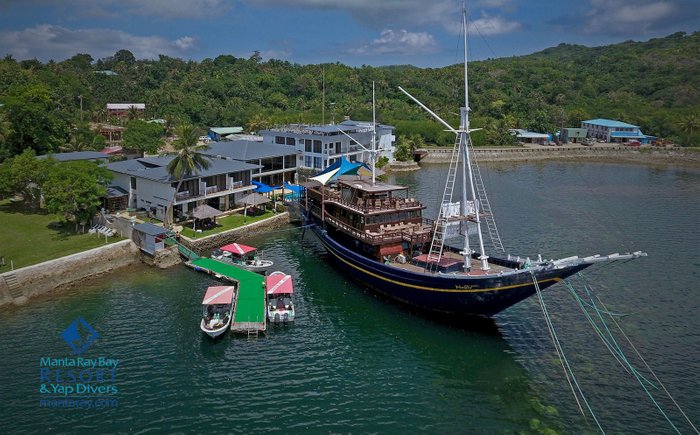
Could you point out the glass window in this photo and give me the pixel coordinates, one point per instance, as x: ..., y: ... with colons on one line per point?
x: 318, y: 163
x: 307, y: 145
x: 307, y: 161
x: 317, y: 147
x: 279, y: 140
x: 290, y: 141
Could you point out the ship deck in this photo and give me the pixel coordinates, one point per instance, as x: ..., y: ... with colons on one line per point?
x: 449, y: 259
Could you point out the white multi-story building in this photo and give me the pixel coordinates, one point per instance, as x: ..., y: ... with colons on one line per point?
x: 276, y: 163
x: 151, y: 188
x: 615, y: 131
x: 321, y: 145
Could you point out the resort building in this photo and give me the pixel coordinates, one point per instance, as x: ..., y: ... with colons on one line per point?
x: 320, y: 146
x: 615, y: 131
x: 150, y: 187
x: 276, y: 163
x: 524, y: 136
x: 121, y: 110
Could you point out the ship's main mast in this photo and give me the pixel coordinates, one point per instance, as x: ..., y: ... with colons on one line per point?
x: 464, y: 142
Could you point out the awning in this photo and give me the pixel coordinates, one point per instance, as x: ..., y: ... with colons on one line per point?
x: 279, y: 283
x: 237, y: 248
x: 262, y: 187
x: 205, y: 211
x: 218, y: 295
x: 254, y: 199
x: 340, y: 167
x: 293, y: 187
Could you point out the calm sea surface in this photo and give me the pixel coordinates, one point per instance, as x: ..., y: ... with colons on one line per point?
x: 353, y: 363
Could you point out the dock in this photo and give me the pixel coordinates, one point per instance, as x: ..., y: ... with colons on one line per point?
x: 249, y: 315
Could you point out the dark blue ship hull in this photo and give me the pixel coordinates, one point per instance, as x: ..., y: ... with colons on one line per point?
x: 443, y: 293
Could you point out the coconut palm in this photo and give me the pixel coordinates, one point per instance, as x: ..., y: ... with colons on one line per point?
x: 188, y: 159
x: 689, y: 124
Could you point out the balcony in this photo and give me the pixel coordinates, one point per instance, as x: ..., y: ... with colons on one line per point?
x: 210, y: 191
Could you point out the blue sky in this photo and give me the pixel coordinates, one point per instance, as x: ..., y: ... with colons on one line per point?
x: 355, y: 32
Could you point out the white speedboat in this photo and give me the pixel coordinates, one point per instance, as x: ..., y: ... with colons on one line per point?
x: 279, y: 288
x: 242, y: 256
x: 217, y: 309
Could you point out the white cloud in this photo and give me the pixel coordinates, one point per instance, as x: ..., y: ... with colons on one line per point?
x: 380, y: 13
x: 487, y: 25
x: 115, y: 8
x: 398, y: 42
x: 185, y: 43
x: 636, y: 16
x: 47, y: 41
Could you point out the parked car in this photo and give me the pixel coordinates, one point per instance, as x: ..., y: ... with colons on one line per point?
x: 205, y: 139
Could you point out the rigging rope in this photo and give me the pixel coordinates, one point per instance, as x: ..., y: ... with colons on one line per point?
x: 562, y: 357
x: 652, y: 372
x: 613, y: 346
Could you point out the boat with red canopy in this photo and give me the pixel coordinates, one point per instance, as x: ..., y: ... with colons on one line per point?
x: 243, y: 256
x: 279, y: 288
x: 217, y: 307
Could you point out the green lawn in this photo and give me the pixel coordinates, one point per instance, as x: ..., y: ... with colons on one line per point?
x: 226, y: 223
x: 31, y: 236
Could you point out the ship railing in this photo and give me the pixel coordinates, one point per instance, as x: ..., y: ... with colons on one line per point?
x: 370, y: 206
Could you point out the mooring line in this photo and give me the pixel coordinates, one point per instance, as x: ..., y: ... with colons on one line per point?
x: 562, y: 357
x: 652, y: 372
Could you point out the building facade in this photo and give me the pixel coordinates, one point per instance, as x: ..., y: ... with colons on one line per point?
x: 151, y: 188
x: 275, y: 163
x: 319, y: 146
x: 121, y: 110
x: 609, y: 130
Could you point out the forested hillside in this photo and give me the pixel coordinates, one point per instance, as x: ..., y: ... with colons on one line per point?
x: 654, y: 84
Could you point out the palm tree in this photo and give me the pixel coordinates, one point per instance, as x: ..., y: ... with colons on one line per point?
x: 689, y: 124
x: 188, y: 160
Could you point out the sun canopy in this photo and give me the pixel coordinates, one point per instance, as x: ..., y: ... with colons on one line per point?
x: 263, y: 188
x: 340, y: 167
x: 205, y: 211
x: 237, y: 248
x: 278, y: 283
x: 254, y: 199
x: 218, y: 295
x: 293, y: 187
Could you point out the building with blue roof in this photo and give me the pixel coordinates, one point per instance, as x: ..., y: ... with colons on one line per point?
x: 320, y: 146
x: 150, y: 187
x: 610, y: 130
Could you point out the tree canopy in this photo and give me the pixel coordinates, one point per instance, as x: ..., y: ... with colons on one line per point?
x: 652, y: 84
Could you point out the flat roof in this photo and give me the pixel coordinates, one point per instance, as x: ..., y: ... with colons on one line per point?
x: 154, y: 168
x: 245, y: 150
x: 529, y: 134
x: 610, y: 123
x: 226, y: 130
x: 360, y: 183
x: 150, y: 229
x: 125, y: 106
x: 76, y: 155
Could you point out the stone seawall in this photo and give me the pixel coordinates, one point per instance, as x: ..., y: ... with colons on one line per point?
x: 21, y: 284
x: 202, y: 244
x: 608, y: 153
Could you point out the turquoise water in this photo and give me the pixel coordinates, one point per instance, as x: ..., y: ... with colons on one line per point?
x: 353, y: 363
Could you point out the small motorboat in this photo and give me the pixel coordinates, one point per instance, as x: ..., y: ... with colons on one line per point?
x: 242, y: 256
x: 217, y: 310
x: 279, y: 288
